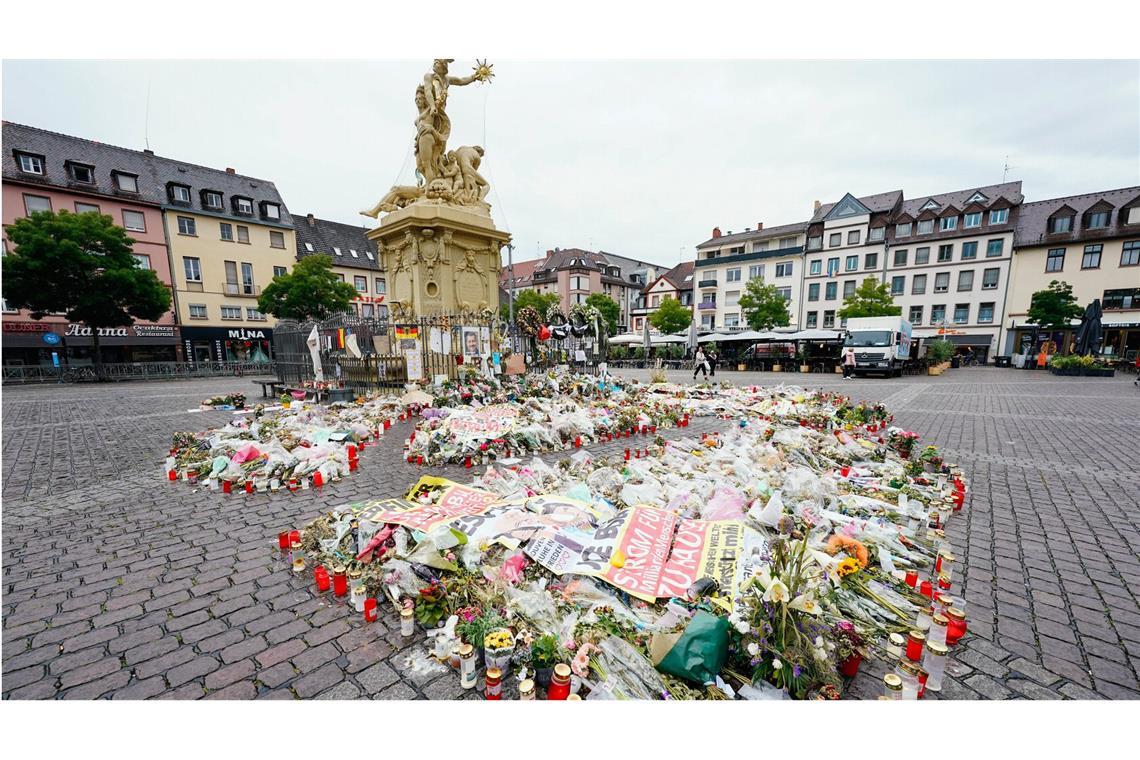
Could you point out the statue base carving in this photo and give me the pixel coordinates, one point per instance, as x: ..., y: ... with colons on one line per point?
x: 439, y: 259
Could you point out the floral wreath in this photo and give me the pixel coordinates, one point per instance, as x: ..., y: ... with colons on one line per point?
x: 554, y: 316
x: 528, y: 320
x: 583, y: 317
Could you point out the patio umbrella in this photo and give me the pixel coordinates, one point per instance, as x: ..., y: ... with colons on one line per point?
x: 1089, y: 333
x: 314, y: 344
x: 645, y: 341
x: 692, y: 342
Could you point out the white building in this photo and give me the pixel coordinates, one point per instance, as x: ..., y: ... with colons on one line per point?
x: 725, y: 264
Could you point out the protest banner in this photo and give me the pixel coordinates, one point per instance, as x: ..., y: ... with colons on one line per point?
x: 488, y: 422
x: 703, y: 549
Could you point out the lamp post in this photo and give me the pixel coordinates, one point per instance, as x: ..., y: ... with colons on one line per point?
x: 511, y: 289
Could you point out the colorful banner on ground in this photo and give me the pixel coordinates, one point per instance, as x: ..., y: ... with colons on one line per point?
x: 493, y: 421
x: 443, y: 501
x: 703, y: 548
x: 510, y: 523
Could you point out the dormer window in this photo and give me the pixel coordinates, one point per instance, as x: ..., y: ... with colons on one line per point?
x: 369, y: 255
x: 212, y: 199
x: 127, y: 183
x: 1060, y: 224
x: 179, y: 194
x: 30, y: 163
x: 977, y: 198
x: 999, y: 216
x: 270, y: 211
x: 243, y: 206
x: 83, y: 173
x: 1098, y: 220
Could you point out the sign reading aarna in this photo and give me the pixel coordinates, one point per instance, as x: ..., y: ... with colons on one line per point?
x: 244, y: 334
x: 81, y: 331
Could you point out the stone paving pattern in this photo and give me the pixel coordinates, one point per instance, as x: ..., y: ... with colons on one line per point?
x: 118, y: 584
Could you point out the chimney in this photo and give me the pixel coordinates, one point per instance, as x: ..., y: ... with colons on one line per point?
x: 312, y: 221
x: 815, y: 209
x: 749, y: 229
x: 148, y: 151
x: 716, y: 232
x: 759, y: 226
x: 230, y: 170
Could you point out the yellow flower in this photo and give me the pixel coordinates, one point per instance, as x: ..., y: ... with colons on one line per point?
x: 848, y: 566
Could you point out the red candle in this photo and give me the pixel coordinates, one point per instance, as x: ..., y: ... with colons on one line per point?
x: 283, y: 540
x: 322, y: 578
x: 249, y: 486
x: 578, y: 442
x: 370, y: 610
x: 172, y: 475
x: 227, y: 486
x: 627, y: 455
x: 352, y: 464
x: 911, y: 578
x: 944, y: 581
x: 467, y: 463
x: 922, y: 677
x: 957, y: 627
x: 318, y: 479
x: 915, y: 641
x: 351, y: 452
x: 559, y: 683
x: 926, y: 589
x: 845, y: 471
x: 340, y: 581
x: 294, y: 536
x: 419, y: 460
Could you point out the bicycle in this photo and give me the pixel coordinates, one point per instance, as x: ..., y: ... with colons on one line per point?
x: 79, y: 375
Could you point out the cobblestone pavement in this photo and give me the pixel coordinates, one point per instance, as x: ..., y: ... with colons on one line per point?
x: 117, y: 584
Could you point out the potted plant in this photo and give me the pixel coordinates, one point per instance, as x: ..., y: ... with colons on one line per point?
x: 545, y: 653
x: 474, y: 625
x: 804, y: 366
x: 938, y: 352
x: 498, y: 648
x: 931, y: 459
x: 903, y: 442
x: 286, y: 400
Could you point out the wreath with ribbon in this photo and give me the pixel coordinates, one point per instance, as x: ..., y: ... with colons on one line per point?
x: 528, y: 321
x: 583, y: 319
x: 559, y: 324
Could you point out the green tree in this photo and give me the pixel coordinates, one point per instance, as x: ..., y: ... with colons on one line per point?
x: 762, y: 306
x: 1053, y: 307
x: 540, y: 302
x: 83, y: 266
x: 670, y: 316
x: 871, y: 299
x: 609, y: 308
x: 311, y: 291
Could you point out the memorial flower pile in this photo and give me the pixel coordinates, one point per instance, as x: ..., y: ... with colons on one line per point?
x: 776, y: 555
x: 228, y: 401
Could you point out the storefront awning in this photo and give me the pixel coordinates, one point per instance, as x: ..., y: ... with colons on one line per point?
x: 970, y: 340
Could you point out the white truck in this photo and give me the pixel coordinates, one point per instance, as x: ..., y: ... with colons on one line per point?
x: 882, y: 344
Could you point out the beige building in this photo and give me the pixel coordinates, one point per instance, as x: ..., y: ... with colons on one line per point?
x: 677, y: 284
x: 574, y: 274
x: 354, y: 260
x: 1092, y: 242
x: 727, y: 262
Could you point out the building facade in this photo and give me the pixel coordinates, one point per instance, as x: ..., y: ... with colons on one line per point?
x: 727, y: 262
x: 574, y: 274
x: 354, y: 260
x: 846, y: 244
x: 948, y: 264
x: 47, y: 171
x: 677, y: 284
x: 1090, y: 241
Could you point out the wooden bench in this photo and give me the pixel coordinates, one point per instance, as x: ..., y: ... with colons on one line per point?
x: 269, y: 388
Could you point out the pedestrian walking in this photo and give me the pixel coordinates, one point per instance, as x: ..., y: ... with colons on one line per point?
x: 848, y: 362
x: 700, y: 364
x: 712, y: 357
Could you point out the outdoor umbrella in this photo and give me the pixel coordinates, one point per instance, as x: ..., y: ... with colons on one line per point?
x: 645, y: 341
x: 314, y: 344
x: 1089, y: 333
x: 692, y: 343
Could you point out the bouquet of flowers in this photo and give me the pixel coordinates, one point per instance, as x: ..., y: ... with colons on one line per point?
x: 902, y: 441
x: 498, y: 648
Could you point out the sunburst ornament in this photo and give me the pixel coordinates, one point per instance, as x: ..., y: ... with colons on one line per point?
x: 483, y: 71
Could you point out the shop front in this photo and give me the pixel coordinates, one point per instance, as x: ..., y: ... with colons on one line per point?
x: 228, y: 344
x: 32, y: 343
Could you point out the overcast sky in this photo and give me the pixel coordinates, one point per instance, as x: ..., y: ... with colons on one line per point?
x: 636, y: 158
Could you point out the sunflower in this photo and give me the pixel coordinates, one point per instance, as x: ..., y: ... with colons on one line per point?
x: 848, y: 566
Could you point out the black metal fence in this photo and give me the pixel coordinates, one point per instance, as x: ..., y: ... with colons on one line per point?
x: 17, y: 375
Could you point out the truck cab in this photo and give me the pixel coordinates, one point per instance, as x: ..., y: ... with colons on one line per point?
x: 882, y: 344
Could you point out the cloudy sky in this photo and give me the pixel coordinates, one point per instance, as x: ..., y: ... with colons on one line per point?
x: 637, y: 158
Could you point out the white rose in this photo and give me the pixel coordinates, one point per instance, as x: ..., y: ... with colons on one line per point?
x: 753, y: 649
x: 776, y: 664
x: 742, y: 627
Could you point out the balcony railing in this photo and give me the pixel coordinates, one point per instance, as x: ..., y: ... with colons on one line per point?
x: 241, y: 289
x: 707, y: 284
x: 706, y: 305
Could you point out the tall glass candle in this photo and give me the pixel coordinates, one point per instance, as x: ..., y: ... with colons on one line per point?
x: 298, y: 558
x: 938, y: 627
x: 922, y: 619
x: 356, y: 581
x: 340, y: 580
x: 934, y: 664
x: 467, y: 675
x: 526, y: 690
x: 407, y: 623
x: 892, y: 686
x: 559, y: 682
x: 916, y: 640
x: 896, y: 644
x: 494, y: 684
x: 908, y: 673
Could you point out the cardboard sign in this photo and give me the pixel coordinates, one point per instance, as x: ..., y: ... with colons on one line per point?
x: 703, y: 548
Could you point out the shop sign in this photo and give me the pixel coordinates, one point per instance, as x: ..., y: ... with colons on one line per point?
x: 244, y: 334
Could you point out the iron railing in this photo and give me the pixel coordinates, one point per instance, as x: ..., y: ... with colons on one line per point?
x: 18, y: 375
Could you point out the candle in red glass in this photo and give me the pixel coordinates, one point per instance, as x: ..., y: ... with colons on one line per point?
x: 419, y: 460
x: 294, y: 535
x: 578, y: 442
x: 957, y: 627
x: 249, y: 486
x: 467, y: 463
x: 559, y: 682
x: 227, y: 486
x: 627, y: 455
x: 944, y: 581
x: 340, y: 581
x: 922, y: 678
x: 172, y: 475
x: 351, y: 451
x: 321, y: 576
x: 370, y: 610
x: 318, y: 479
x: 915, y: 641
x: 926, y: 589
x: 911, y: 578
x: 283, y: 540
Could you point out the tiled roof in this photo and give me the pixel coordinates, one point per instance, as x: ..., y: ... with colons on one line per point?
x: 154, y: 172
x: 876, y: 203
x: 677, y: 275
x: 523, y: 272
x: 1034, y: 217
x: 325, y: 236
x: 767, y: 232
x: 1011, y: 191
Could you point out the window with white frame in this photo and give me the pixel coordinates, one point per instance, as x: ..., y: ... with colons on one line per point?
x: 816, y: 267
x: 143, y: 260
x: 186, y: 226
x: 212, y: 200
x: 990, y: 278
x: 197, y: 311
x: 848, y: 288
x: 1130, y: 254
x: 35, y: 203
x: 1133, y: 215
x: 86, y: 208
x: 760, y: 247
x: 785, y: 293
x: 965, y: 280
x: 180, y: 193
x: 999, y: 216
x: 854, y: 236
x: 784, y: 269
x: 272, y: 211
x: 732, y: 320
x: 918, y: 285
x: 361, y: 283
x: 226, y: 231
x: 941, y: 282
x: 961, y: 313
x: 128, y: 183
x: 898, y: 285
x: 926, y: 226
x: 756, y: 270
x: 231, y: 312
x: 812, y: 317
x: 972, y: 219
x: 81, y: 173
x: 134, y: 221
x: 949, y: 223
x: 244, y: 206
x: 31, y: 164
x: 903, y: 229
x: 192, y: 267
x: 829, y: 319
x: 815, y: 242
x: 731, y: 298
x: 381, y: 286
x: 253, y: 314
x: 921, y: 255
x: 732, y: 275
x: 280, y: 271
x: 309, y: 247
x: 986, y: 313
x: 915, y: 315
x: 832, y: 266
x: 937, y: 314
x: 876, y: 234
x: 852, y: 263
x: 788, y: 242
x: 337, y: 251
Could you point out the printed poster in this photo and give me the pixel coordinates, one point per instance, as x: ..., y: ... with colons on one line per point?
x: 510, y: 523
x: 493, y: 421
x: 454, y: 501
x: 703, y: 548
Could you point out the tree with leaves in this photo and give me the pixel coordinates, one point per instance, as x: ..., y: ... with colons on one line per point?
x: 540, y: 302
x: 82, y: 265
x: 670, y: 316
x: 609, y: 309
x: 762, y: 306
x: 311, y: 291
x: 871, y: 299
x: 1054, y: 307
